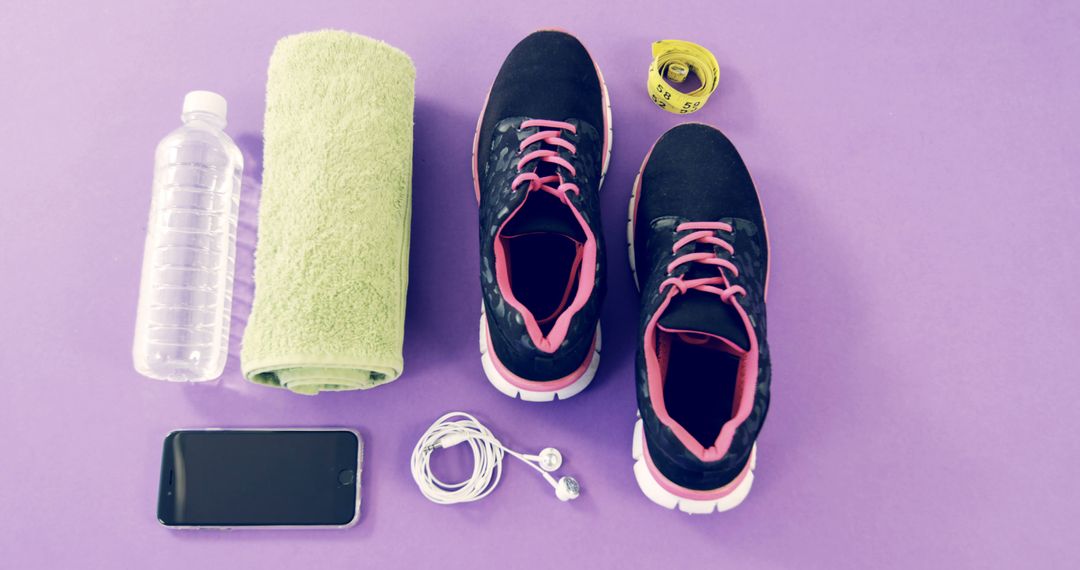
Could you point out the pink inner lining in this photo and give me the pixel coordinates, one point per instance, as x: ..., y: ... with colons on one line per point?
x: 689, y: 337
x: 748, y: 367
x: 570, y: 283
x: 699, y: 338
x: 550, y: 342
x: 589, y: 259
x: 746, y: 385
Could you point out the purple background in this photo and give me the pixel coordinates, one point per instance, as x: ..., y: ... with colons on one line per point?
x: 918, y: 163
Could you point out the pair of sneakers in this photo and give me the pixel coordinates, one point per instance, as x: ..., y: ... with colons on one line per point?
x: 698, y: 251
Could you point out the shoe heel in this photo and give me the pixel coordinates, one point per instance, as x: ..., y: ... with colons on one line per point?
x: 687, y: 500
x: 532, y: 390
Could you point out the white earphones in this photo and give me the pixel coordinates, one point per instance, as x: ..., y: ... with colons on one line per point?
x: 487, y: 456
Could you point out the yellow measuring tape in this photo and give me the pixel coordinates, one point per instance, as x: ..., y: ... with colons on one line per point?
x: 674, y: 61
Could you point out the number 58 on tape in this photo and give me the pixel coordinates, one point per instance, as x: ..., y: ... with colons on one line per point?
x: 673, y: 61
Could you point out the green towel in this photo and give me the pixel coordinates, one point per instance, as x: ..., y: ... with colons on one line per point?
x: 331, y: 264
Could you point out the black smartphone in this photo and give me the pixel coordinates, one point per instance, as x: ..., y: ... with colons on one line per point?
x: 252, y: 478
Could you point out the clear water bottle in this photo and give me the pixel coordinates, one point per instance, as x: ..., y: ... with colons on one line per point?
x: 185, y: 299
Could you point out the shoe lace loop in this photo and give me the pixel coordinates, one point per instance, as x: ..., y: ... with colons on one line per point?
x: 552, y: 137
x: 705, y: 233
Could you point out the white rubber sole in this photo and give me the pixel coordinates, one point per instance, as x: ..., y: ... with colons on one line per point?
x: 510, y: 389
x: 606, y: 161
x: 661, y: 496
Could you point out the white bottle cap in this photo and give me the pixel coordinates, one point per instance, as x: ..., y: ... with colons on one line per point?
x: 205, y: 102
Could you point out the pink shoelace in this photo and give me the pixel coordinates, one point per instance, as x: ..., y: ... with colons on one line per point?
x: 554, y: 138
x: 704, y: 233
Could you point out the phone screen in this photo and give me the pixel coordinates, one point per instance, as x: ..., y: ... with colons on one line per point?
x: 232, y: 478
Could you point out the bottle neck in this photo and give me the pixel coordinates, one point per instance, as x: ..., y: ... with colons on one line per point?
x: 205, y: 117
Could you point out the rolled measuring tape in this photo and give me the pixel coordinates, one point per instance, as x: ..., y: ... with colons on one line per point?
x: 674, y: 61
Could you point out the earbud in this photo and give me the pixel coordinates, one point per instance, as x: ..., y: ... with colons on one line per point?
x: 549, y: 459
x: 567, y: 489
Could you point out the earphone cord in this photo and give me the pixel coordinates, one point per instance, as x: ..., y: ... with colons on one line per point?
x: 487, y: 453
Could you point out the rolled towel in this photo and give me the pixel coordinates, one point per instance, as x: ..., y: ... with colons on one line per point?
x: 331, y: 264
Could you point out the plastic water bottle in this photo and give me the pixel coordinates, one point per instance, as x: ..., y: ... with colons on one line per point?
x: 185, y: 299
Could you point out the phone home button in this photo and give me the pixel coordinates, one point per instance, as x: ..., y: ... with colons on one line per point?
x: 346, y: 477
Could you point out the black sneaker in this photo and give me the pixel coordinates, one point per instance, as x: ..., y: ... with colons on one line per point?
x: 700, y: 254
x: 541, y: 150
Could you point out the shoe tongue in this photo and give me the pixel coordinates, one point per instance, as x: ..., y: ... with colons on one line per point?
x: 543, y: 213
x: 543, y: 225
x: 701, y: 312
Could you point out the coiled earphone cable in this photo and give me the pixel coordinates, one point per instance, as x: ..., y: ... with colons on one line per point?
x: 455, y: 428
